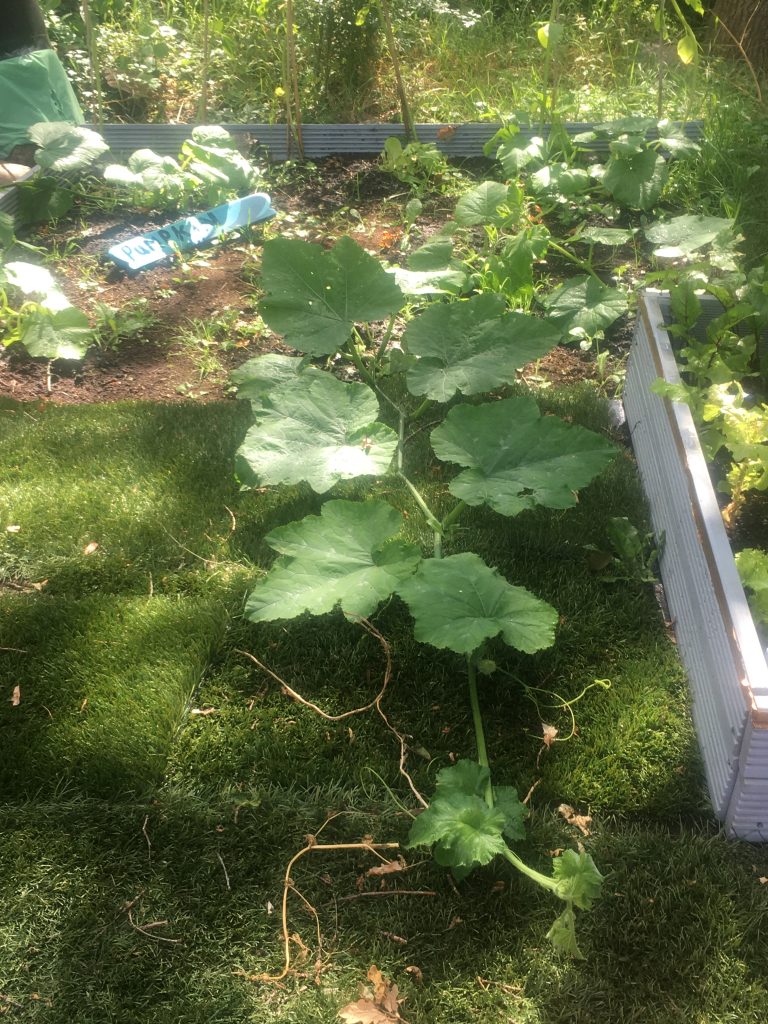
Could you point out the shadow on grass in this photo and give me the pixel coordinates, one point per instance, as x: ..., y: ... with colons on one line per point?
x: 678, y: 935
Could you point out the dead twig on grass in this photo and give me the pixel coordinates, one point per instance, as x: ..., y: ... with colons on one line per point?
x: 375, y: 703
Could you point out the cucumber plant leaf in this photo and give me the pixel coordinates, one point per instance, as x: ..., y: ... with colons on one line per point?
x: 636, y: 179
x: 463, y: 828
x: 318, y: 429
x: 472, y: 346
x: 515, y: 458
x: 314, y: 297
x: 586, y: 303
x: 458, y: 602
x: 480, y: 205
x: 348, y: 555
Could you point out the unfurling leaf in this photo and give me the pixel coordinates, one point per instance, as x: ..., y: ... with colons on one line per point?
x: 578, y: 878
x: 562, y: 934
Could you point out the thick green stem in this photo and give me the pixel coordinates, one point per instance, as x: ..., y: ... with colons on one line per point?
x: 385, y: 340
x: 453, y: 515
x: 477, y: 720
x: 582, y: 264
x: 360, y: 366
x: 545, y: 881
x: 421, y: 409
x: 432, y: 521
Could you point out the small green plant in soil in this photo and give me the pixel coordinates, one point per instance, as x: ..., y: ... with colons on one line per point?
x: 312, y: 427
x: 113, y: 325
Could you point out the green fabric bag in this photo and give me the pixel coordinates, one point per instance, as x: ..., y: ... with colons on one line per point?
x: 33, y: 87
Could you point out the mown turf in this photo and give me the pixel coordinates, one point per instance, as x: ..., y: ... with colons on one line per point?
x: 196, y: 825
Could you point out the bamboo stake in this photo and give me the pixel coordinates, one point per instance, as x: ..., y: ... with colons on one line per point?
x: 405, y: 110
x: 202, y: 107
x: 93, y: 59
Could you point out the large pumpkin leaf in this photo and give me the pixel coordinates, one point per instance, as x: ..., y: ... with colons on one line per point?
x: 480, y: 205
x: 472, y: 346
x: 65, y: 147
x: 318, y: 429
x: 458, y: 602
x: 258, y: 377
x: 636, y: 179
x: 347, y: 555
x: 516, y: 458
x: 585, y: 303
x: 684, y: 235
x: 315, y: 297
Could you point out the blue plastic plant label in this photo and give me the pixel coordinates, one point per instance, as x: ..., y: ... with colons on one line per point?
x: 191, y: 232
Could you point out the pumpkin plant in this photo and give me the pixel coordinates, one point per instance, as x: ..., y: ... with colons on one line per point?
x: 310, y: 426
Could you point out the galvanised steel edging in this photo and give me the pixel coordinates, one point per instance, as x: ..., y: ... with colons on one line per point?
x: 716, y: 635
x: 459, y: 140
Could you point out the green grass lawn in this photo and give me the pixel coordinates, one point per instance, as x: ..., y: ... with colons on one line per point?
x: 155, y: 783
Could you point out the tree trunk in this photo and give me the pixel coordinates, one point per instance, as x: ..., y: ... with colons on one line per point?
x: 741, y: 27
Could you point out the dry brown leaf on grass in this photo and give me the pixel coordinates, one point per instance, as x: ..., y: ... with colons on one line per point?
x: 549, y: 734
x: 16, y: 697
x: 389, y: 867
x: 379, y: 1008
x: 580, y: 821
x: 90, y: 548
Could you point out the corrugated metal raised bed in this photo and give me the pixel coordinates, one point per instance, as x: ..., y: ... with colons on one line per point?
x: 462, y: 140
x: 716, y: 635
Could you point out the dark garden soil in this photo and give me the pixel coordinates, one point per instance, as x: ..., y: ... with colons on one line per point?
x: 338, y: 196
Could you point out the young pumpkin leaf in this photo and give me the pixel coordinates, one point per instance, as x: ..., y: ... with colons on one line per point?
x: 472, y: 346
x: 586, y: 303
x: 347, y: 555
x: 63, y: 334
x: 465, y: 776
x: 458, y: 602
x: 518, y: 152
x: 597, y: 235
x: 560, y: 180
x: 480, y: 205
x: 316, y: 297
x: 318, y: 429
x: 447, y: 281
x: 578, y: 879
x: 464, y: 829
x: 433, y: 255
x: 515, y: 458
x: 65, y: 147
x: 562, y: 934
x: 636, y: 180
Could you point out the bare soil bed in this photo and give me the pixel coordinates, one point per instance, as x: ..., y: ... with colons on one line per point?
x: 339, y: 196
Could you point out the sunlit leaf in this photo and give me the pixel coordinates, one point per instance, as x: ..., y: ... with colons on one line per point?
x: 315, y: 297
x: 458, y: 602
x: 319, y: 429
x: 348, y: 556
x: 586, y: 303
x: 516, y: 458
x: 480, y: 205
x: 472, y: 346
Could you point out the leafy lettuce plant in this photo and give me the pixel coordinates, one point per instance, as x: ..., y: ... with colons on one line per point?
x: 312, y: 427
